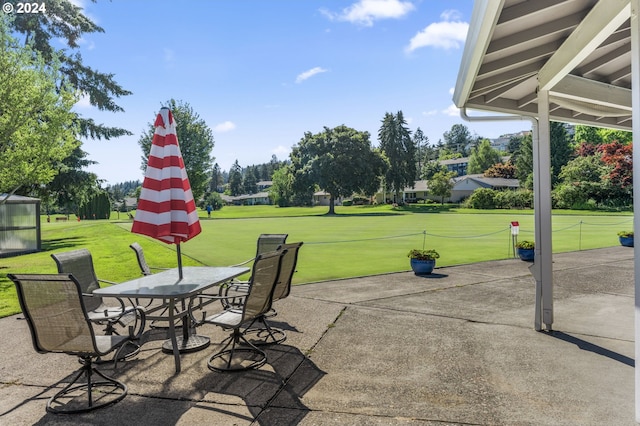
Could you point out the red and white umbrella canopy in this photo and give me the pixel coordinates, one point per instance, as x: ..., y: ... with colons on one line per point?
x: 166, y: 208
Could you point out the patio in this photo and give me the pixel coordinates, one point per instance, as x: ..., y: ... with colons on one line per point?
x: 457, y: 347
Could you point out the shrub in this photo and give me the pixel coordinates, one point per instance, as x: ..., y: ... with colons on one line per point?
x: 482, y: 199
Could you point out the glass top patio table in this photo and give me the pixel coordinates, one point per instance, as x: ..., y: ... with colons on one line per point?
x: 168, y: 286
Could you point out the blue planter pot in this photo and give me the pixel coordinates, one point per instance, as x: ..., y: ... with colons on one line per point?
x: 422, y: 267
x: 526, y: 254
x: 626, y: 241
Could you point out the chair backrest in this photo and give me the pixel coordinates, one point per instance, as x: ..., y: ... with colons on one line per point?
x: 142, y: 262
x: 264, y: 275
x: 80, y: 264
x: 287, y: 268
x: 270, y: 242
x: 54, y: 309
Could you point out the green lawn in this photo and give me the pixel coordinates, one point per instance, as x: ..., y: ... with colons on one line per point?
x: 357, y: 241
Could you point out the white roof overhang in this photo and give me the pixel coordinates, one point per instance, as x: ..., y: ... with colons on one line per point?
x: 577, y: 50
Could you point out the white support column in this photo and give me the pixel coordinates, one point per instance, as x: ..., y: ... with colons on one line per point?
x: 543, y: 263
x: 635, y: 102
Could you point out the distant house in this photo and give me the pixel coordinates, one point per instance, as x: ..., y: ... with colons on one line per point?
x: 260, y: 198
x: 463, y: 187
x: 459, y: 165
x: 417, y: 193
x: 131, y: 203
x: 264, y: 185
x: 322, y: 198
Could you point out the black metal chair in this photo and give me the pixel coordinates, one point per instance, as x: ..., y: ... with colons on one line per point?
x: 53, y: 306
x: 238, y: 353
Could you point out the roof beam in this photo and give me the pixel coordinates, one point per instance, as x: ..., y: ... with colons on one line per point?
x: 604, y: 19
x: 593, y: 66
x: 585, y: 90
x: 544, y: 30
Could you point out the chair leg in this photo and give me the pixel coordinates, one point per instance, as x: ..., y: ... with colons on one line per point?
x: 263, y: 333
x: 238, y: 354
x: 109, y: 390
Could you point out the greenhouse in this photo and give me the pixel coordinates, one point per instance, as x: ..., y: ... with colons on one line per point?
x: 19, y: 225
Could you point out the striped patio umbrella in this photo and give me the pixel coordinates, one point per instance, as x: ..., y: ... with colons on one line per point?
x: 166, y: 208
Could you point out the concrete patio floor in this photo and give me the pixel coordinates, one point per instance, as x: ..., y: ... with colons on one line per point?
x: 456, y: 347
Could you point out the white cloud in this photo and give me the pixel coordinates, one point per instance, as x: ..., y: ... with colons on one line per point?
x: 226, y: 126
x: 451, y: 15
x: 281, y: 152
x: 83, y: 101
x: 365, y: 12
x: 449, y: 33
x: 452, y: 111
x: 309, y: 73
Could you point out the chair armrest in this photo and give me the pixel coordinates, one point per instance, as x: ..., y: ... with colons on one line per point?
x: 140, y: 323
x: 200, y: 305
x: 107, y: 281
x: 242, y: 263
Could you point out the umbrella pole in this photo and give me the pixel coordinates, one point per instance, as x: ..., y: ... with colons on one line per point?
x: 179, y: 261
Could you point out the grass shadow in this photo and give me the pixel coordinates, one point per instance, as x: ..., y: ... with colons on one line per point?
x: 61, y: 243
x: 427, y: 208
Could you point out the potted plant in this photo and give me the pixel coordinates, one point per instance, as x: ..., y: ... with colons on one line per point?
x: 626, y: 238
x: 525, y: 250
x: 423, y: 261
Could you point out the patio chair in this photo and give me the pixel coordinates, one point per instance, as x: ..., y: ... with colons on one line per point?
x: 235, y: 290
x: 53, y: 306
x: 80, y: 264
x: 238, y: 353
x: 145, y: 269
x: 266, y: 243
x: 260, y: 328
x: 142, y: 262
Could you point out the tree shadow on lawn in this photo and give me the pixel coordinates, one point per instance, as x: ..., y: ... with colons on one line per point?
x: 60, y: 243
x: 427, y: 208
x: 369, y: 214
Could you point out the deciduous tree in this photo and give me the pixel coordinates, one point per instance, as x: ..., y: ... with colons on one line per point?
x: 483, y: 157
x: 36, y: 122
x: 341, y: 161
x: 441, y: 185
x: 196, y: 143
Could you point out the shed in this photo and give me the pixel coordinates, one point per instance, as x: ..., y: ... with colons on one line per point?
x: 19, y: 225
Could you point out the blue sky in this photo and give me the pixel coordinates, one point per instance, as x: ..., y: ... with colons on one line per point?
x: 263, y: 72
